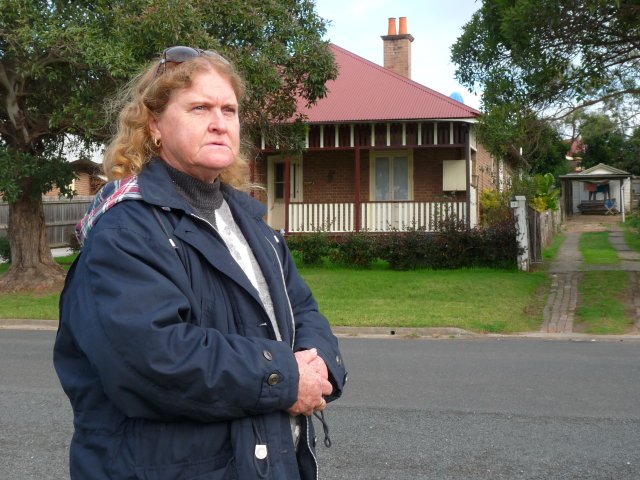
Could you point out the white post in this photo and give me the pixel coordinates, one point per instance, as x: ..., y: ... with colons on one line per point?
x: 519, y: 206
x: 622, y: 199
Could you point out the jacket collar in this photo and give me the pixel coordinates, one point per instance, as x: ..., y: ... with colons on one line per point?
x: 157, y: 188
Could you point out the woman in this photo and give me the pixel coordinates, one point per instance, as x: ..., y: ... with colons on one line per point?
x: 189, y: 346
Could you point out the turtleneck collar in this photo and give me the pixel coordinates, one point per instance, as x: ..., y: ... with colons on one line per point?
x: 205, y: 197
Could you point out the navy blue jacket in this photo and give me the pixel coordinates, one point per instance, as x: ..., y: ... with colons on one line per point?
x: 168, y: 356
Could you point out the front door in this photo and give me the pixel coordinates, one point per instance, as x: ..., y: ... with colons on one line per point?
x: 276, y: 187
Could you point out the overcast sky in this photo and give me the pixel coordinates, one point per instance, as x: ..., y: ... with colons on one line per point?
x: 356, y: 25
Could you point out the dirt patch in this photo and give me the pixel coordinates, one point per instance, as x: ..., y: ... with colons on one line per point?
x: 593, y: 223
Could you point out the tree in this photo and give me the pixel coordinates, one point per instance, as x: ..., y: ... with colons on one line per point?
x: 606, y: 143
x: 544, y: 59
x: 60, y: 60
x: 565, y: 54
x: 532, y: 143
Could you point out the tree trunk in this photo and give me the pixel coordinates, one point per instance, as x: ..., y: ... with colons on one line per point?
x: 32, y: 265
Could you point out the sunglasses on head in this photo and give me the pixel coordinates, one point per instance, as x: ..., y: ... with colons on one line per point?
x: 180, y: 54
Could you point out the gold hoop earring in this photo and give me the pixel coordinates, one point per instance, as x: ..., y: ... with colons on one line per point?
x: 157, y: 142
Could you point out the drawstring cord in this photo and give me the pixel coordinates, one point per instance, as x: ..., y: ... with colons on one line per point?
x: 325, y: 428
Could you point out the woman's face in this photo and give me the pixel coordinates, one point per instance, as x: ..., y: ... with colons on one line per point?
x: 200, y: 129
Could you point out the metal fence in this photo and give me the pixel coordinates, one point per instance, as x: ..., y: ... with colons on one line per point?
x: 61, y: 215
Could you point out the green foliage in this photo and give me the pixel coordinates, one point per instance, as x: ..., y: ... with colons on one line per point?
x: 494, y: 207
x: 539, y: 54
x: 606, y: 142
x: 22, y: 173
x: 538, y: 61
x: 453, y: 246
x: 310, y: 248
x: 633, y: 220
x: 407, y: 249
x: 60, y: 62
x: 356, y: 249
x: 547, y: 194
x: 5, y: 249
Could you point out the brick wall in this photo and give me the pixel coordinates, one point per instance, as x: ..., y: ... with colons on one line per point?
x: 330, y: 176
x: 486, y: 169
x: 427, y: 173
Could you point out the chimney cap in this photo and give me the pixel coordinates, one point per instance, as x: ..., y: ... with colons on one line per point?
x: 403, y: 26
x: 392, y: 27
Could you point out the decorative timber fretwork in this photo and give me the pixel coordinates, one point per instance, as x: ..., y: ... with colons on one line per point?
x: 382, y: 135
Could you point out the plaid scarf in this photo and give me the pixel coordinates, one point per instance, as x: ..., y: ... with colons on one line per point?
x: 112, y: 193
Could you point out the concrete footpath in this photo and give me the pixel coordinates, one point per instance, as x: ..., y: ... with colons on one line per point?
x: 567, y: 271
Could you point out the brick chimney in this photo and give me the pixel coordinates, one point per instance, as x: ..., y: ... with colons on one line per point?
x: 397, y: 48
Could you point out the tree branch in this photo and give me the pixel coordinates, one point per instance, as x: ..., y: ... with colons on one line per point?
x: 595, y: 101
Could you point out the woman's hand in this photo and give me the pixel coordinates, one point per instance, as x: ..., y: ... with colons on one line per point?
x: 313, y: 384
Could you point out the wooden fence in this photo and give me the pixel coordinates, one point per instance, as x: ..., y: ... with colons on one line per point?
x: 61, y: 216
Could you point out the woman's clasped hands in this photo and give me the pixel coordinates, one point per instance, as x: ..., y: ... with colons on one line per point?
x: 313, y: 384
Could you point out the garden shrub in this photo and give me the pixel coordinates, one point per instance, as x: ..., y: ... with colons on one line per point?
x: 633, y: 220
x: 5, y: 249
x: 405, y: 249
x: 357, y: 249
x: 310, y: 247
x: 497, y: 246
x: 455, y: 245
x: 494, y: 206
x: 452, y: 246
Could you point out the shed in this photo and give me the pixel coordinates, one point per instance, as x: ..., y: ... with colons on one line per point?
x: 601, y: 189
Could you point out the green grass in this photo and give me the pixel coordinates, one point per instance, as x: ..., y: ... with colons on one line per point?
x: 551, y: 252
x: 37, y: 307
x: 632, y: 238
x: 480, y: 300
x: 596, y: 248
x: 602, y: 308
x: 33, y: 306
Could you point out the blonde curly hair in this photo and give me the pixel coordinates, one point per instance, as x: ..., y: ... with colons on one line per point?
x: 147, y: 95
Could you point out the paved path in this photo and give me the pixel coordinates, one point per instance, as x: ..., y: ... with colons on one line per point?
x: 567, y: 271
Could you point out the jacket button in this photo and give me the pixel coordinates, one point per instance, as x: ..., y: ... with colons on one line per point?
x: 273, y: 379
x: 338, y: 360
x: 267, y: 354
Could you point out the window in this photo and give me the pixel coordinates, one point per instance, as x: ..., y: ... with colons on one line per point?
x: 278, y: 178
x: 391, y: 176
x: 278, y: 181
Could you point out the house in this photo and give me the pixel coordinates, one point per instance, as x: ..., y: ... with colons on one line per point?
x: 601, y: 189
x: 88, y: 181
x: 381, y: 152
x: 577, y: 149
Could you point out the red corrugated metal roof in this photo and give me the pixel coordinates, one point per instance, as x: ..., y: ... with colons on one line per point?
x: 365, y: 91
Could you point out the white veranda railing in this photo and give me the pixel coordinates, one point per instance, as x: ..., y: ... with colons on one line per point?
x: 374, y: 216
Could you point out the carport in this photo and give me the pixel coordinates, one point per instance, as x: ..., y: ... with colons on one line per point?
x: 601, y: 190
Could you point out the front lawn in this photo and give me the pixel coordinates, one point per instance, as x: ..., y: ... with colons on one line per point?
x: 480, y: 300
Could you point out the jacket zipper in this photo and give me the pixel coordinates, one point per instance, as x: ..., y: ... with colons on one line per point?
x: 286, y: 294
x: 293, y: 325
x: 315, y: 460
